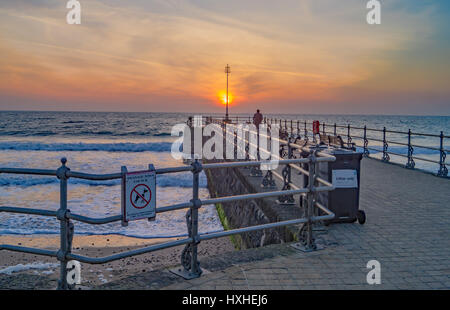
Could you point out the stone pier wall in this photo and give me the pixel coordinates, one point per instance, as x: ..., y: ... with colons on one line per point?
x: 236, y: 181
x: 244, y: 213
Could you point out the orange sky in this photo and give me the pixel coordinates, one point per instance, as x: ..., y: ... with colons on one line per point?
x: 289, y: 56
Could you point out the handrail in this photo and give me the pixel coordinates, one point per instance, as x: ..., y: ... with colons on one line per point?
x: 29, y: 250
x: 106, y: 259
x: 301, y: 129
x: 28, y: 171
x: 191, y: 267
x: 27, y: 211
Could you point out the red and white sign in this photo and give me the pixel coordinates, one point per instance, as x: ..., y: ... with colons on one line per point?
x: 139, y: 195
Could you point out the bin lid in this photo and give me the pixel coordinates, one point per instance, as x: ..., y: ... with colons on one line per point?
x: 340, y: 151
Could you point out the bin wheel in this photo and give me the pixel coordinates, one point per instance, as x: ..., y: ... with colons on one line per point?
x: 361, y: 217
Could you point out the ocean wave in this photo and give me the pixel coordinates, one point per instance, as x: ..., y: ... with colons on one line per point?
x: 165, y: 180
x: 69, y: 129
x: 73, y: 122
x: 106, y: 147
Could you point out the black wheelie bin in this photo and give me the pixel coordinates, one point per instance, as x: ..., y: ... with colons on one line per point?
x: 345, y: 174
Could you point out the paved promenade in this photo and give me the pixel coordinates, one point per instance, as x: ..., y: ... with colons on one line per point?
x: 407, y: 231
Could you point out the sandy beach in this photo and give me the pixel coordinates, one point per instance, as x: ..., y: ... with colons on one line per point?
x: 14, y: 265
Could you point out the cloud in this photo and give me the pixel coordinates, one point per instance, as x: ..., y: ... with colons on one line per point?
x: 149, y: 51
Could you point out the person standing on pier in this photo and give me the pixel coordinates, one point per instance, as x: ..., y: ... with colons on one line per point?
x: 257, y: 120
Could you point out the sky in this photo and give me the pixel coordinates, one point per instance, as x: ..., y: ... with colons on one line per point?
x: 287, y: 56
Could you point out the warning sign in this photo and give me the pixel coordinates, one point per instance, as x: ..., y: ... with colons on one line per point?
x: 139, y: 195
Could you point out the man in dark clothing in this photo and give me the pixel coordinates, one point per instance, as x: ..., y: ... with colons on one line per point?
x: 257, y: 119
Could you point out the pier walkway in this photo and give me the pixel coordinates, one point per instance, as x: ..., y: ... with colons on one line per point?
x: 407, y: 231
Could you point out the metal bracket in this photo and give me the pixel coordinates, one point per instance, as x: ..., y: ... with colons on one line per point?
x: 70, y: 233
x: 268, y: 180
x: 286, y: 199
x: 247, y: 157
x: 184, y: 270
x: 386, y: 156
x: 443, y: 171
x: 255, y: 171
x: 366, y: 150
x: 303, y: 245
x: 283, y: 153
x: 410, y: 164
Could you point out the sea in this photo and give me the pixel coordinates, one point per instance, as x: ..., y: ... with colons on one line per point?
x: 102, y: 142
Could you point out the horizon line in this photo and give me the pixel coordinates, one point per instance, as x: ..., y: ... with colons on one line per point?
x: 218, y: 113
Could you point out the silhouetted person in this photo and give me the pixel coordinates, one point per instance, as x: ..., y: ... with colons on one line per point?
x: 257, y: 119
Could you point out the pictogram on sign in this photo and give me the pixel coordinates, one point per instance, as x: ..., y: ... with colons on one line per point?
x: 138, y: 194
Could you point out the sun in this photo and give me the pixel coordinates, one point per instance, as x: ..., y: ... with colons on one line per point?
x: 222, y: 96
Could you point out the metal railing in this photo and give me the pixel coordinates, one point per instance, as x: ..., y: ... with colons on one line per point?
x: 189, y: 261
x: 300, y: 128
x: 286, y: 174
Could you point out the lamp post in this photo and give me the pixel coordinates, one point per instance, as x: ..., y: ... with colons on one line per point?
x: 227, y: 71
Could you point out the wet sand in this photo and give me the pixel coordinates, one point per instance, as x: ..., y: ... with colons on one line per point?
x: 94, y: 246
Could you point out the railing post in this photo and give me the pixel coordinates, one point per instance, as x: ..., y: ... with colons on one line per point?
x: 190, y: 267
x: 311, y: 199
x: 385, y: 147
x: 443, y: 171
x: 195, y: 265
x: 306, y: 133
x: 335, y: 129
x: 366, y: 143
x: 235, y: 147
x: 286, y: 173
x: 247, y: 147
x: 306, y: 238
x: 298, y: 128
x: 268, y: 180
x: 410, y: 164
x: 255, y: 171
x: 323, y: 128
x: 349, y: 138
x: 66, y: 227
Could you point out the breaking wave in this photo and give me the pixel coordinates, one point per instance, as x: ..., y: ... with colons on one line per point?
x: 106, y: 147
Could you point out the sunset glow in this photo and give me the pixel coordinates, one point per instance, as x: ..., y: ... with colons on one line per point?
x: 310, y: 56
x: 223, y: 97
